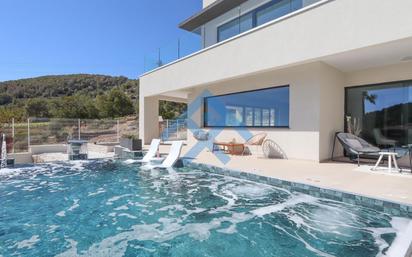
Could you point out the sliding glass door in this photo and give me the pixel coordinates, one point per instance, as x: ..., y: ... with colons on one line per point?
x: 381, y: 114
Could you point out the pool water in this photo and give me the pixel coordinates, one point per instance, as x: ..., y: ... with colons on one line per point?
x: 110, y: 208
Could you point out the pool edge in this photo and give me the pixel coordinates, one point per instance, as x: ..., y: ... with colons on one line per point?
x: 392, y: 208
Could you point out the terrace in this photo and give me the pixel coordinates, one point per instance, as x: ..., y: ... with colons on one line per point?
x: 342, y: 176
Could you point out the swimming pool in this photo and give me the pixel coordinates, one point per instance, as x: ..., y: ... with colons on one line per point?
x: 109, y: 208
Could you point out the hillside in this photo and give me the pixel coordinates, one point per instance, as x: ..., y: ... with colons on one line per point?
x: 66, y: 85
x: 82, y: 96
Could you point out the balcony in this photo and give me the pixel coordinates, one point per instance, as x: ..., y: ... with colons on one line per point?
x: 238, y: 20
x: 357, y: 35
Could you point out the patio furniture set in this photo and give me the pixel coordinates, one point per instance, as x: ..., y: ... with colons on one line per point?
x: 236, y: 148
x: 356, y: 147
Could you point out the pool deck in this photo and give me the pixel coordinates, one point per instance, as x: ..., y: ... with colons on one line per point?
x: 333, y: 175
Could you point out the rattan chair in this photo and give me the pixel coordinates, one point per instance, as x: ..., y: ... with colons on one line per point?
x: 256, y: 140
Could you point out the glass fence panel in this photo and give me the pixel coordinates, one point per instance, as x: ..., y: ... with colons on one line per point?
x: 99, y: 131
x: 52, y: 131
x: 20, y: 140
x: 188, y: 43
x: 191, y: 42
x: 44, y: 131
x: 169, y: 53
x: 171, y: 130
x: 152, y: 60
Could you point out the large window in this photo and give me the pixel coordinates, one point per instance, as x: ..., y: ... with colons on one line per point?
x: 265, y: 13
x: 235, y: 27
x: 260, y: 108
x: 273, y: 11
x: 381, y: 114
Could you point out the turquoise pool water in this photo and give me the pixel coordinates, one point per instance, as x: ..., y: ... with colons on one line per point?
x: 109, y: 208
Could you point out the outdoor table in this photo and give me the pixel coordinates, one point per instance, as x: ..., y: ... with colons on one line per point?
x: 230, y: 148
x: 391, y: 157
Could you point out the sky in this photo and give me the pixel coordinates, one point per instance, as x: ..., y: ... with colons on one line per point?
x: 110, y: 37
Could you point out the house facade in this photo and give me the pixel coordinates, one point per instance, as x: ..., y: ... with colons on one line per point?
x: 298, y: 70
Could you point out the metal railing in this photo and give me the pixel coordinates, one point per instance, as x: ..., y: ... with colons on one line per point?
x: 42, y: 131
x: 171, y: 130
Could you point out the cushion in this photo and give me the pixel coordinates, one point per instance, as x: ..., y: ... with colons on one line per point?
x: 354, y: 143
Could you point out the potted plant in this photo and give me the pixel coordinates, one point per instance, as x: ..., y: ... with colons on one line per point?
x: 131, y: 142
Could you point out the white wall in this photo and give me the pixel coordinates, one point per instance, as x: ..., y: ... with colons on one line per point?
x: 148, y: 118
x: 210, y: 29
x: 390, y: 73
x: 317, y: 93
x: 312, y: 87
x: 274, y: 56
x: 22, y: 158
x: 316, y: 105
x: 332, y: 28
x: 332, y: 96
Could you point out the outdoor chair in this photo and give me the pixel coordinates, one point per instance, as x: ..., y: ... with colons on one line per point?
x: 171, y: 159
x: 355, y: 146
x: 381, y: 140
x: 256, y: 140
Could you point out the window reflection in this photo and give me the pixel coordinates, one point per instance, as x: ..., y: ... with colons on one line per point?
x: 260, y: 108
x: 261, y: 15
x: 381, y: 114
x: 273, y: 12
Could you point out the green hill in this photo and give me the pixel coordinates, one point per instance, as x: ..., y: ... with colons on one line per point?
x: 82, y: 96
x: 66, y: 85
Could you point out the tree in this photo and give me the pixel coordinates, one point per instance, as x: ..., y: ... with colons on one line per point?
x: 5, y: 99
x: 114, y: 104
x: 171, y: 110
x: 37, y: 107
x: 74, y: 107
x: 9, y: 113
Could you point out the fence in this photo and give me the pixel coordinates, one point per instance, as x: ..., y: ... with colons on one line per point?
x: 173, y: 130
x: 40, y: 131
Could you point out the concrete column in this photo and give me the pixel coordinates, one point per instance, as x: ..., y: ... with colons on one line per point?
x: 331, y: 99
x: 148, y: 118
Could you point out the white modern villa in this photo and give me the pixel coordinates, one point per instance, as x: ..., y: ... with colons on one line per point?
x: 298, y: 70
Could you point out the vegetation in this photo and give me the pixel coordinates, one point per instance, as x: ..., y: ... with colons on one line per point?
x: 66, y: 85
x: 171, y: 110
x: 74, y: 96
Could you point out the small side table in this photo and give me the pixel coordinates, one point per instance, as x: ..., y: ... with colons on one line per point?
x: 391, y: 157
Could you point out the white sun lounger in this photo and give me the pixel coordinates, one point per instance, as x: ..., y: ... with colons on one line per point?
x: 171, y: 158
x: 150, y: 155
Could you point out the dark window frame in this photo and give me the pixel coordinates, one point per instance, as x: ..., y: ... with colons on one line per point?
x: 366, y: 85
x: 347, y: 88
x: 254, y: 17
x: 205, y: 125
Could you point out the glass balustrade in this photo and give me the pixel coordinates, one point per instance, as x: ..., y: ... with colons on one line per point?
x: 238, y: 20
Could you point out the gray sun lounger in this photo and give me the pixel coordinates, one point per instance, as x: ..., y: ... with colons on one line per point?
x: 355, y: 145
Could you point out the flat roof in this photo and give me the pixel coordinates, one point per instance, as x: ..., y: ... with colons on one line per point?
x: 209, y: 13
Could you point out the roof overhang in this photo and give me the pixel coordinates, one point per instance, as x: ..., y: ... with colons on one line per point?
x: 209, y: 13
